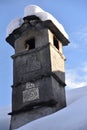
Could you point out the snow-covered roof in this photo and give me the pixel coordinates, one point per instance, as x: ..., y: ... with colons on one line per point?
x: 37, y: 11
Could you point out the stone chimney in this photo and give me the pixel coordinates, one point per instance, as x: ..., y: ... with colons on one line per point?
x: 38, y: 66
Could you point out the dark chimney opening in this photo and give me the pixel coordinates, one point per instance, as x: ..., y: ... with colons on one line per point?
x: 30, y: 44
x: 55, y: 41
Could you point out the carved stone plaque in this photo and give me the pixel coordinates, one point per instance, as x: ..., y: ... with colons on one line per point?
x: 31, y: 93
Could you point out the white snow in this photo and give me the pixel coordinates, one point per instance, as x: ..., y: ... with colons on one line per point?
x: 43, y: 15
x: 37, y: 11
x: 73, y: 117
x: 75, y: 94
x: 14, y: 24
x: 32, y: 10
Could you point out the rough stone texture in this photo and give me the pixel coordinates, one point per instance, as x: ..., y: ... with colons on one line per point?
x: 31, y: 65
x: 42, y: 86
x: 38, y: 76
x: 23, y: 118
x: 41, y: 38
x: 49, y: 90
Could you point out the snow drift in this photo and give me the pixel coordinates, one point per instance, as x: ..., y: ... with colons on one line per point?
x: 73, y: 117
x: 75, y: 94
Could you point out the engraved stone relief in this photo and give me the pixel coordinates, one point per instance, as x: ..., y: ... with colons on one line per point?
x: 31, y: 93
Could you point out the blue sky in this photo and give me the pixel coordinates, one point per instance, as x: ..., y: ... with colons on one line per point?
x: 72, y: 15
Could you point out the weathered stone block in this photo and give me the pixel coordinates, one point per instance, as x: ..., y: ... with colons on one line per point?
x: 32, y: 65
x: 45, y: 91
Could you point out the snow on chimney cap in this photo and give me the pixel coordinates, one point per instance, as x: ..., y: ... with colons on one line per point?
x: 40, y: 13
x: 32, y: 10
x: 14, y: 24
x: 43, y: 15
